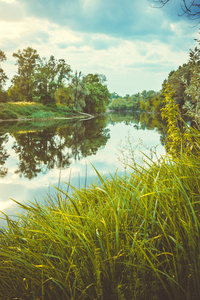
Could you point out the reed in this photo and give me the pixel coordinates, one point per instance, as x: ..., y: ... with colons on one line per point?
x: 131, y: 237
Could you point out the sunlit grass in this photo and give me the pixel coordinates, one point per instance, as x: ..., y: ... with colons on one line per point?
x: 32, y: 110
x: 132, y: 237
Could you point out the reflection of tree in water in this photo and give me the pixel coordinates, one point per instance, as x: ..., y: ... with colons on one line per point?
x: 88, y: 137
x: 3, y: 154
x: 41, y: 151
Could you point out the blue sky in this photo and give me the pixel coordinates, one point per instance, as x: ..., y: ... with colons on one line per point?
x: 133, y: 44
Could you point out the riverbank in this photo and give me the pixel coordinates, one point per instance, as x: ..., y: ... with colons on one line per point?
x: 131, y: 237
x: 21, y: 111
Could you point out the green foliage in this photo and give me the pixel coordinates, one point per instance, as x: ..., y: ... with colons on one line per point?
x: 64, y: 96
x: 79, y: 91
x: 42, y: 115
x: 3, y: 76
x: 34, y: 110
x: 193, y: 90
x: 45, y: 81
x: 23, y: 82
x: 137, y: 102
x: 179, y: 138
x: 49, y: 77
x: 119, y: 104
x: 3, y: 96
x: 6, y: 114
x: 97, y: 98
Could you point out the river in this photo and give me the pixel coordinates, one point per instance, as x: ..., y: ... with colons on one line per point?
x: 36, y: 157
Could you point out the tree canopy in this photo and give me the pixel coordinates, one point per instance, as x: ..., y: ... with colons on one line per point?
x: 3, y: 76
x: 51, y: 82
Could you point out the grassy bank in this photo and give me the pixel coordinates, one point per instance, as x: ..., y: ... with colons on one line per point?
x: 32, y: 110
x: 132, y: 237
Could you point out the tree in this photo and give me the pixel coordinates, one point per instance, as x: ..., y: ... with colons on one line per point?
x: 79, y: 90
x: 64, y: 95
x: 98, y: 97
x: 179, y: 80
x: 193, y: 89
x: 3, y: 76
x: 24, y: 80
x: 50, y: 75
x: 190, y: 8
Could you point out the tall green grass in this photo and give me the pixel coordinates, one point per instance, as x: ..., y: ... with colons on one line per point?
x: 132, y: 237
x: 32, y: 110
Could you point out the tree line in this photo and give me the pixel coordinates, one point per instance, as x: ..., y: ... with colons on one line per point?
x: 183, y: 85
x: 52, y: 81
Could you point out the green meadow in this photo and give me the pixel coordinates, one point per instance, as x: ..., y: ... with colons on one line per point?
x: 33, y: 110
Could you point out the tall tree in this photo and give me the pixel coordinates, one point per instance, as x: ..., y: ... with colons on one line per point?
x: 50, y: 75
x: 79, y: 90
x: 193, y: 89
x: 3, y: 76
x: 98, y: 97
x: 24, y: 82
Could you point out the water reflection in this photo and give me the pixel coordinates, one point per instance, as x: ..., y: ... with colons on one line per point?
x: 34, y: 156
x: 142, y: 121
x: 53, y: 147
x: 3, y: 155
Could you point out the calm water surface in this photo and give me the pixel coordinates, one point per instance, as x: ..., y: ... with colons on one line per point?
x: 35, y: 157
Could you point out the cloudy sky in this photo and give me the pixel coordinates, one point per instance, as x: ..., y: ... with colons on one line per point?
x: 133, y: 44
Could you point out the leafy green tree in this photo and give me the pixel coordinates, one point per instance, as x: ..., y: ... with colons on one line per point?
x: 142, y: 104
x: 178, y: 136
x: 114, y: 96
x: 118, y: 104
x: 147, y: 105
x: 193, y: 89
x: 23, y: 82
x: 79, y: 90
x: 49, y: 77
x: 179, y: 80
x: 64, y: 95
x: 98, y: 97
x: 3, y: 76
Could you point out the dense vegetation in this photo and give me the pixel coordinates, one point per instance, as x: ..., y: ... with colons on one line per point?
x: 33, y: 110
x: 183, y: 85
x: 52, y: 83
